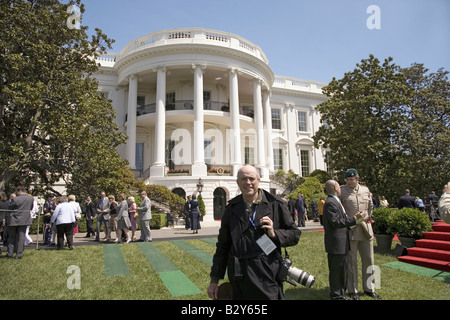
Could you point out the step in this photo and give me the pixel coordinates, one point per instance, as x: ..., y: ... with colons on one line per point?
x: 429, y: 253
x: 428, y: 263
x: 442, y: 227
x: 437, y: 235
x: 433, y: 244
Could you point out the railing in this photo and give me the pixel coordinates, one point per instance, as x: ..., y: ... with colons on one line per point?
x: 189, y: 105
x: 191, y: 35
x: 298, y: 84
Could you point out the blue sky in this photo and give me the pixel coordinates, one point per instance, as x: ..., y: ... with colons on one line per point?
x: 305, y: 39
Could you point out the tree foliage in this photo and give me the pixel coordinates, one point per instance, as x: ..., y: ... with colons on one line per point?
x: 391, y: 124
x: 53, y: 122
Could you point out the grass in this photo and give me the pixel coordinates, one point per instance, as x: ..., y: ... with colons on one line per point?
x: 42, y: 274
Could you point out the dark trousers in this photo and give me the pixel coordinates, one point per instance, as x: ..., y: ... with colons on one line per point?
x: 301, y: 218
x: 100, y: 221
x: 90, y: 227
x: 64, y: 229
x: 337, y: 275
x: 16, y: 240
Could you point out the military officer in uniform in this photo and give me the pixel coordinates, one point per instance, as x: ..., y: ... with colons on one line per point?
x: 357, y: 198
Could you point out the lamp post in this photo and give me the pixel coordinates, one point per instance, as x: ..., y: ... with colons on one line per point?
x: 199, y: 186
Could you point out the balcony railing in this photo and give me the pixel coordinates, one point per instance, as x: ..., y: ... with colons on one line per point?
x: 189, y: 105
x: 191, y: 35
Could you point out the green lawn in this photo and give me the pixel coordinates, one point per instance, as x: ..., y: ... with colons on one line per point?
x: 148, y: 271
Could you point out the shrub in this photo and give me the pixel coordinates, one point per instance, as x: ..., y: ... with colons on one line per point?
x: 382, y: 220
x: 411, y: 223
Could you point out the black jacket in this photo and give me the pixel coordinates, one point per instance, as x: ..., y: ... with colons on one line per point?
x: 237, y: 249
x: 335, y: 223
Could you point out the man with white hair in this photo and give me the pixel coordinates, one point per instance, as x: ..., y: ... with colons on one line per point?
x: 253, y: 217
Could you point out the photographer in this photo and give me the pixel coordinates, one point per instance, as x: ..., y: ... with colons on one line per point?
x: 254, y: 227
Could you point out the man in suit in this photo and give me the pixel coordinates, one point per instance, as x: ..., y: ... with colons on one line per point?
x: 90, y: 216
x: 103, y: 215
x: 300, y: 206
x: 145, y: 215
x: 49, y: 208
x: 358, y: 198
x: 336, y: 224
x: 22, y: 205
x: 406, y: 200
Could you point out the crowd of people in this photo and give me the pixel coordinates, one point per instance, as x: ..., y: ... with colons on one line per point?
x: 256, y: 225
x: 254, y: 228
x: 60, y: 216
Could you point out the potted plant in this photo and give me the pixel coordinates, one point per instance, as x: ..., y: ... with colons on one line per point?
x: 381, y: 220
x: 409, y: 224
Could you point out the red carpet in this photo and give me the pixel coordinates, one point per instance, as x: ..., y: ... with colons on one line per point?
x: 433, y: 251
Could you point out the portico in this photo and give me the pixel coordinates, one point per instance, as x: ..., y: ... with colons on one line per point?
x: 198, y: 103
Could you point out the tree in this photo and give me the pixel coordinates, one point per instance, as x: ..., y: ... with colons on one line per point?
x: 377, y: 120
x: 54, y: 124
x: 311, y: 189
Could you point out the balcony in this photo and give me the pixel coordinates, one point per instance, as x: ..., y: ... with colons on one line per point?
x: 189, y: 105
x: 185, y: 36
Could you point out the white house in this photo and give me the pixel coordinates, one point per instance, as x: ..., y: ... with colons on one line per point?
x: 198, y: 104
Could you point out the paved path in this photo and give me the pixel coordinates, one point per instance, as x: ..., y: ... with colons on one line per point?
x: 209, y: 229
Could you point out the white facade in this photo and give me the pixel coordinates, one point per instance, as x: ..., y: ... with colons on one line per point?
x: 201, y: 101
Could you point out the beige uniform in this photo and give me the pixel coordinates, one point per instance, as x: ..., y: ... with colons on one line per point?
x: 354, y: 200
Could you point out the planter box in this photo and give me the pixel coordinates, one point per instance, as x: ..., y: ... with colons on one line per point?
x: 407, y: 242
x: 384, y: 241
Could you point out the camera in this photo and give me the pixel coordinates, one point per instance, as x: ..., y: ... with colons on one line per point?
x: 290, y: 274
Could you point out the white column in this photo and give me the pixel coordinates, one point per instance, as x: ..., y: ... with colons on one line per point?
x: 235, y: 129
x: 259, y: 127
x: 158, y: 167
x: 131, y: 121
x: 268, y: 129
x: 199, y: 166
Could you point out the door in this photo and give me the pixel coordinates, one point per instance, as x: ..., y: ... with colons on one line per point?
x: 220, y: 202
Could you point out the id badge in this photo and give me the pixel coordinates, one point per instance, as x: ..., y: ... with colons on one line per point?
x: 266, y: 244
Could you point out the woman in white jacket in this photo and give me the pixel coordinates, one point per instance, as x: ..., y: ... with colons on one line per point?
x: 64, y: 218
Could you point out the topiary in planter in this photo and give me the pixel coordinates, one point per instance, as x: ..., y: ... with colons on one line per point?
x: 380, y: 226
x: 410, y: 223
x: 382, y: 218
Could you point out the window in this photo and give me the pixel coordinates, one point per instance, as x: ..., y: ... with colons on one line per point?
x: 304, y: 162
x: 249, y: 157
x: 139, y: 156
x: 170, y: 101
x: 330, y: 171
x: 301, y: 117
x: 140, y: 101
x: 207, y: 150
x: 276, y: 119
x: 207, y: 100
x: 170, y: 144
x: 278, y: 159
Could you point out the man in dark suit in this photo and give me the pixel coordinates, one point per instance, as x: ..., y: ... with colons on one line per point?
x: 337, y: 241
x: 90, y: 216
x: 300, y: 206
x: 102, y: 215
x: 19, y: 219
x: 406, y: 201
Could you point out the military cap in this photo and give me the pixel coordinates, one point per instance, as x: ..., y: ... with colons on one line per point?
x: 350, y: 173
